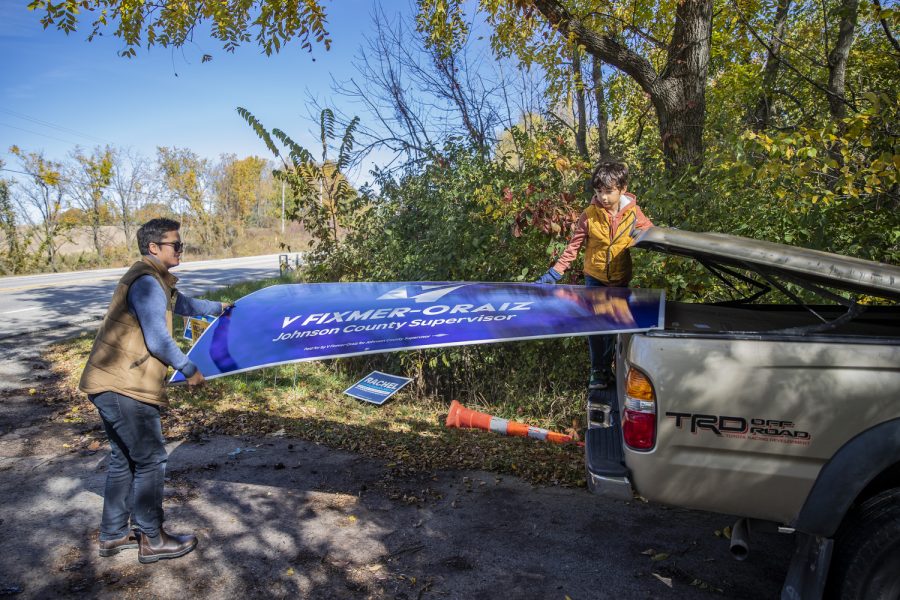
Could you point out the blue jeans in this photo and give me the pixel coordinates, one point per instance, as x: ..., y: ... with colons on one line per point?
x: 137, y: 465
x: 601, y: 347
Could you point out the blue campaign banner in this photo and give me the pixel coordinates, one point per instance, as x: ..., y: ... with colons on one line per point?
x: 299, y: 322
x: 377, y: 387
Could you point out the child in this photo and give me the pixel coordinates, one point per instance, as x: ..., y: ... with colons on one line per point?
x: 608, y: 225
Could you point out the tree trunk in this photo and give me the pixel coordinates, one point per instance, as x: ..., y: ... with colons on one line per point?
x: 602, y: 115
x: 50, y: 241
x: 761, y: 116
x: 837, y: 59
x: 678, y: 92
x: 885, y: 27
x: 95, y: 230
x: 580, y: 110
x: 126, y: 225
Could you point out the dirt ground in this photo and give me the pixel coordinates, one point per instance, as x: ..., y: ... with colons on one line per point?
x: 280, y: 517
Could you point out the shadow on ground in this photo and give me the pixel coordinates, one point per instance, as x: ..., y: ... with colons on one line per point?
x: 279, y: 517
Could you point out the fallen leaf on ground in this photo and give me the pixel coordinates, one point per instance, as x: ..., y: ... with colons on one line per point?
x: 665, y: 580
x: 94, y: 445
x: 704, y: 585
x: 660, y: 556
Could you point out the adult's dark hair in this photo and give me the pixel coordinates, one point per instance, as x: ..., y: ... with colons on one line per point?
x: 153, y: 231
x: 610, y: 174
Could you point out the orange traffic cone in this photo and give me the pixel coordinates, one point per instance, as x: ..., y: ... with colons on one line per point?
x: 459, y: 416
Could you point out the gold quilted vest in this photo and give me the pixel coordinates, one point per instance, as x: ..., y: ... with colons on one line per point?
x: 607, y: 257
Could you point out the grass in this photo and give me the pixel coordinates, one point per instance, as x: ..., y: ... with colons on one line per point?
x: 306, y: 401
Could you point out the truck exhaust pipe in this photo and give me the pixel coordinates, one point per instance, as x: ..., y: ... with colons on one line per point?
x: 740, y: 539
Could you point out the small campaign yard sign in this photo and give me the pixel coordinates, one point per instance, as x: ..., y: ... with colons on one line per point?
x: 195, y: 326
x: 376, y: 387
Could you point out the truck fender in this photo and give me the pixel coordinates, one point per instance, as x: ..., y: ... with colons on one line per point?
x: 847, y: 474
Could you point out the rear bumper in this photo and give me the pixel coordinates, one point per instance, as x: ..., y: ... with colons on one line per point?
x: 607, y: 474
x: 616, y: 488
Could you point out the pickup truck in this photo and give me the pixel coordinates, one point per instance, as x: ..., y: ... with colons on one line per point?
x: 786, y: 415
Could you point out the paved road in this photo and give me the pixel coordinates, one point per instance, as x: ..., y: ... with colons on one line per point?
x: 39, y: 302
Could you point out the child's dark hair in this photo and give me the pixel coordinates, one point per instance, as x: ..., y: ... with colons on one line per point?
x: 153, y: 231
x: 610, y: 174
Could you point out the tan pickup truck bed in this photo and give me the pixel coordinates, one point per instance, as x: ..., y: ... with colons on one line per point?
x: 784, y: 414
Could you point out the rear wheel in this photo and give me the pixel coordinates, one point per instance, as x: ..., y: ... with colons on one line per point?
x: 866, y: 562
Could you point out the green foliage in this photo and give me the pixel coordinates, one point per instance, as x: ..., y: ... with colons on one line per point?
x: 463, y: 217
x: 831, y: 187
x: 89, y: 180
x: 443, y: 23
x: 271, y: 24
x: 14, y: 258
x: 43, y: 193
x: 466, y: 217
x: 184, y: 174
x: 239, y: 187
x: 225, y: 208
x: 324, y: 202
x: 835, y: 187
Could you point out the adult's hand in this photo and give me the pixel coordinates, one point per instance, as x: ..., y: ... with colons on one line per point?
x: 196, y: 380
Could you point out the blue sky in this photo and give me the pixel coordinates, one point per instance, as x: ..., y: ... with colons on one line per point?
x: 59, y: 91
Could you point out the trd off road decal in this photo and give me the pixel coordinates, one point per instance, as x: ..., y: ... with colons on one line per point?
x: 766, y: 430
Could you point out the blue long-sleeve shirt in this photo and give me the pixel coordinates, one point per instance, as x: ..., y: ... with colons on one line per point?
x: 147, y: 301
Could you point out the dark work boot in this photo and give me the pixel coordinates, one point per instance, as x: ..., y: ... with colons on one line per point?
x: 165, y: 545
x: 113, y: 547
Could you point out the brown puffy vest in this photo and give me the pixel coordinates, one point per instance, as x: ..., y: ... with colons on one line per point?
x: 119, y: 361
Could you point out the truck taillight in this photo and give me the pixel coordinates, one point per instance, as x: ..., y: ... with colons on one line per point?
x: 639, y: 422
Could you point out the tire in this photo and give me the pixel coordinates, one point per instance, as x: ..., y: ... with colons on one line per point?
x: 866, y: 561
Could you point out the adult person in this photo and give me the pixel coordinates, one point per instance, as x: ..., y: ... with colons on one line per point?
x: 125, y: 379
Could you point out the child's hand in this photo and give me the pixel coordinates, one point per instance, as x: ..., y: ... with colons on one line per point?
x: 551, y: 276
